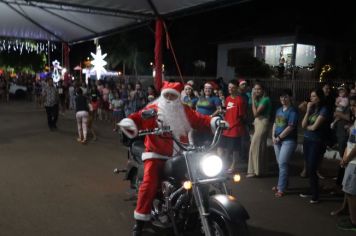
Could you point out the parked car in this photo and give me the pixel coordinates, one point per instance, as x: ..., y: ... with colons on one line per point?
x: 17, y: 90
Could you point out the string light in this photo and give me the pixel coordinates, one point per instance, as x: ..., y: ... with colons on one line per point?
x: 324, y: 70
x: 21, y: 46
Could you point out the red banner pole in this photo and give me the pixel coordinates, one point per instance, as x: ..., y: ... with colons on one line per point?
x: 158, y: 54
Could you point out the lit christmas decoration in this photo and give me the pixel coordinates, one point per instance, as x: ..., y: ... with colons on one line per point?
x: 22, y: 46
x: 98, y: 62
x: 56, y: 67
x: 324, y: 70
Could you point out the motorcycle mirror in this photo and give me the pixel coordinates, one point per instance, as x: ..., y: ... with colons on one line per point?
x: 148, y: 114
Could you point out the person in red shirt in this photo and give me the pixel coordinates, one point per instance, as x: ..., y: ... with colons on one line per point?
x: 235, y: 114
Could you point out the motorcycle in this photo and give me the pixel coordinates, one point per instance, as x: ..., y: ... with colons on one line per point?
x: 194, y: 189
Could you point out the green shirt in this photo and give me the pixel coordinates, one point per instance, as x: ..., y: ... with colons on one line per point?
x: 266, y: 102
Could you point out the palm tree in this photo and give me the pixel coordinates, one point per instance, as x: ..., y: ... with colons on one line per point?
x: 124, y: 49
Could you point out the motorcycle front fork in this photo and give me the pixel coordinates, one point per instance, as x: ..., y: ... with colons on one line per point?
x: 204, y: 214
x: 203, y: 204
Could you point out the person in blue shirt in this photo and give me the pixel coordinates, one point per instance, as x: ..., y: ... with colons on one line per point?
x: 208, y: 104
x: 284, y: 137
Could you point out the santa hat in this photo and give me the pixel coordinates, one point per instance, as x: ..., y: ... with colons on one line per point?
x: 187, y: 85
x: 172, y: 87
x: 190, y: 82
x: 242, y: 81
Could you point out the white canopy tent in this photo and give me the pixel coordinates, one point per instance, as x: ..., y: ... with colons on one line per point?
x: 73, y: 21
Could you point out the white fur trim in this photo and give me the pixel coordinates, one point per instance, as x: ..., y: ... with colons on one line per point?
x: 169, y: 90
x: 153, y: 155
x: 129, y: 127
x: 188, y: 86
x: 143, y: 217
x: 213, y: 124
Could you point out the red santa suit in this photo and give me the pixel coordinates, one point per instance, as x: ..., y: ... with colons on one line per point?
x: 160, y: 148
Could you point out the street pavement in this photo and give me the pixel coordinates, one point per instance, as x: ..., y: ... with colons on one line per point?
x: 51, y: 185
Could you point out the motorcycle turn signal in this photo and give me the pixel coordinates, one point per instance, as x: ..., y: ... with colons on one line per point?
x: 187, y: 185
x: 236, y: 178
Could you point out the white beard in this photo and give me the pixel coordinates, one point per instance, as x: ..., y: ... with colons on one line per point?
x: 172, y: 113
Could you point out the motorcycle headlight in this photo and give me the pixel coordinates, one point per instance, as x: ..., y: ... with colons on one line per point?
x: 211, y: 165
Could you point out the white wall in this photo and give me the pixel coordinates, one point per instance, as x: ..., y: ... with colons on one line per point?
x: 272, y: 55
x: 305, y: 55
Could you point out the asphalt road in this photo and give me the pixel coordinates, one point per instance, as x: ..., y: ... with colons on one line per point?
x: 51, y: 185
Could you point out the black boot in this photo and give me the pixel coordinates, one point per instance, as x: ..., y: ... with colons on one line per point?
x: 138, y: 227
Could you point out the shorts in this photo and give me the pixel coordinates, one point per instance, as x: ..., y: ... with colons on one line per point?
x: 230, y: 143
x: 349, y: 182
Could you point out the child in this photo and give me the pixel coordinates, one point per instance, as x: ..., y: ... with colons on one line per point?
x: 342, y: 103
x: 117, y: 105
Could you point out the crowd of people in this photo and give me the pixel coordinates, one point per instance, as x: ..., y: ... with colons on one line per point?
x: 249, y: 113
x: 325, y: 120
x: 104, y: 101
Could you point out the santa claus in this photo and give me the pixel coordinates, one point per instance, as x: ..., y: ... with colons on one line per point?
x: 181, y: 119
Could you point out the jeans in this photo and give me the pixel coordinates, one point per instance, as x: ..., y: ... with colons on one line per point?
x: 313, y: 150
x: 284, y: 151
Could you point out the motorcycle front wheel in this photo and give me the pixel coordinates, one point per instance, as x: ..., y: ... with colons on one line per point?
x: 221, y: 227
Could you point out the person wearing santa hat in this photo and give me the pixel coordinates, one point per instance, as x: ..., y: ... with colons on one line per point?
x: 181, y: 119
x: 190, y: 99
x: 183, y: 93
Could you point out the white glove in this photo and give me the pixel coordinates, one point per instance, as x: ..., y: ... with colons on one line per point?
x: 224, y: 124
x: 216, y: 121
x: 128, y: 127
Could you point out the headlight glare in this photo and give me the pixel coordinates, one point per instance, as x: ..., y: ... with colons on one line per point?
x: 211, y: 165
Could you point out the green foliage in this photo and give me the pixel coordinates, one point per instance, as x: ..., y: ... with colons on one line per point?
x: 249, y: 66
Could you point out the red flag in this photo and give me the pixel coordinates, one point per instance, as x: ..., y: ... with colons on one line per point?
x: 158, y: 54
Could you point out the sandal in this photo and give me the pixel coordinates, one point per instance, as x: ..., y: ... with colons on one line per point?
x: 274, y: 189
x: 279, y: 194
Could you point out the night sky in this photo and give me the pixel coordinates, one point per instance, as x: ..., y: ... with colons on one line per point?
x: 196, y: 36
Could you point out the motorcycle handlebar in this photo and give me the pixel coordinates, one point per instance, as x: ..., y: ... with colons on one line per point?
x: 156, y: 131
x: 167, y: 130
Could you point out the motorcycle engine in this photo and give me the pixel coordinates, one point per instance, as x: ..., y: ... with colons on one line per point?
x: 167, y: 188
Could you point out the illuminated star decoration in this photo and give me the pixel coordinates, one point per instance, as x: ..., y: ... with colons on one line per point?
x: 56, y: 75
x: 98, y: 62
